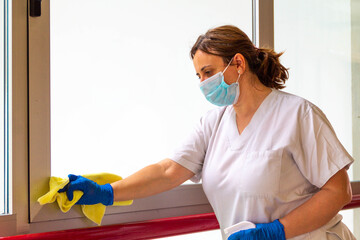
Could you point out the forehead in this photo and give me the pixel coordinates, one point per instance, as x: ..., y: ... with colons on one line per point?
x: 202, y: 59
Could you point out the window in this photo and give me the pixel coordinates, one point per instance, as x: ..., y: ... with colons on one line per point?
x: 316, y: 38
x: 121, y: 85
x: 123, y: 88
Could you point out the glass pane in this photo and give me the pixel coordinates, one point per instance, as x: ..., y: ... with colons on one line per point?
x: 4, y: 111
x: 123, y: 88
x: 316, y: 38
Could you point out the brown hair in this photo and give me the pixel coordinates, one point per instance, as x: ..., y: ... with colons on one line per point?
x: 226, y: 41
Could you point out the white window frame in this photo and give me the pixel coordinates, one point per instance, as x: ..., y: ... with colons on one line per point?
x: 31, y: 138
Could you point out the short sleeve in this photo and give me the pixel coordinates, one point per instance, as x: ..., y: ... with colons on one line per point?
x: 191, y: 152
x: 318, y: 152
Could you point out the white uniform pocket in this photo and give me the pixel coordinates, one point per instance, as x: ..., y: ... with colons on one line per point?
x: 261, y: 172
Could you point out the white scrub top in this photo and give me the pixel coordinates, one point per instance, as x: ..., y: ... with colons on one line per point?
x: 282, y: 158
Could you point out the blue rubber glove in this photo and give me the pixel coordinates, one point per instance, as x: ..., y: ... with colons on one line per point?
x: 269, y: 231
x: 93, y: 192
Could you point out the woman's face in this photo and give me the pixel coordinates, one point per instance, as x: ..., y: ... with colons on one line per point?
x: 207, y: 65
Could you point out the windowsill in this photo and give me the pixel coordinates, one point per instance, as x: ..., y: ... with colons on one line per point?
x: 7, y: 217
x: 183, y: 200
x: 7, y: 224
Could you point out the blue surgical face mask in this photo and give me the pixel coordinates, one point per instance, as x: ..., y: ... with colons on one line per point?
x: 218, y: 92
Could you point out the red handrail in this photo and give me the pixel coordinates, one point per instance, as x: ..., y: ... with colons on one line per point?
x: 158, y: 228
x: 355, y: 202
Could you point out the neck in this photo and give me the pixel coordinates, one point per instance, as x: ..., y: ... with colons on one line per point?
x: 252, y: 94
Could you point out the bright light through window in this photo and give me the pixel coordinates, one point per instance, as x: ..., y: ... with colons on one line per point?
x: 316, y: 38
x: 123, y: 88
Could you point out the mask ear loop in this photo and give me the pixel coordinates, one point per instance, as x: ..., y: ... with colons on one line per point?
x: 228, y: 65
x: 238, y: 88
x: 237, y: 80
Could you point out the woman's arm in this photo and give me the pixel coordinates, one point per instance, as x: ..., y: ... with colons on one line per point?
x: 321, y: 208
x: 151, y: 180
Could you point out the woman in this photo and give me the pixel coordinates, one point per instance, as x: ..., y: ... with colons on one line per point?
x: 264, y: 156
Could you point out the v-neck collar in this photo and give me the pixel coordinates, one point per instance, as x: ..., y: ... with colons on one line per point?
x: 235, y: 139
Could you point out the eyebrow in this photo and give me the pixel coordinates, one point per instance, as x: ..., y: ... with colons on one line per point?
x: 202, y: 69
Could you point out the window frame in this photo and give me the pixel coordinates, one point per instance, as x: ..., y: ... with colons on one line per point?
x: 17, y: 222
x: 39, y: 145
x: 31, y: 137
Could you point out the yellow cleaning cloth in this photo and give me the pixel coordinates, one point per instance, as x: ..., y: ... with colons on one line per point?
x: 93, y: 212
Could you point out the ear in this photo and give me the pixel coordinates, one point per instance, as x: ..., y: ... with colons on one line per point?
x: 239, y: 60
